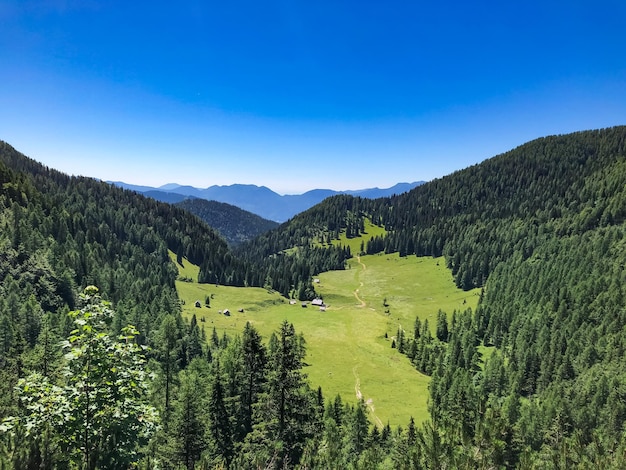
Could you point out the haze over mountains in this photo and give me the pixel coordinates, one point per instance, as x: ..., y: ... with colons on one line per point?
x: 540, y: 231
x: 259, y: 200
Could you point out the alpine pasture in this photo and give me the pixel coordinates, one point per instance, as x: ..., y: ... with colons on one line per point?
x: 349, y: 345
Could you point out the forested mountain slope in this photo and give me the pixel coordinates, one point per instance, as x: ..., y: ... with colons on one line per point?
x: 483, y: 214
x: 542, y: 229
x: 60, y: 233
x: 234, y: 224
x: 534, y: 378
x: 90, y: 224
x: 296, y: 250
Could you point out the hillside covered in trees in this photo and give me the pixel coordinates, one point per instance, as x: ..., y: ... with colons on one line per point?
x: 232, y: 223
x: 541, y: 229
x: 534, y: 378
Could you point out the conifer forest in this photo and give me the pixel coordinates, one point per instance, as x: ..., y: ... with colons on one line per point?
x: 99, y: 368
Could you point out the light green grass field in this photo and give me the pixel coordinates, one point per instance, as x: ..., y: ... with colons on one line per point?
x: 354, y: 243
x: 347, y: 352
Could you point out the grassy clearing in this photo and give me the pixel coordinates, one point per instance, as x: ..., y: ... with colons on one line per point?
x: 347, y: 351
x: 485, y: 353
x: 371, y: 230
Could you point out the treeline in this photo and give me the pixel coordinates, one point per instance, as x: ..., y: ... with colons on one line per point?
x: 215, y: 402
x: 286, y: 258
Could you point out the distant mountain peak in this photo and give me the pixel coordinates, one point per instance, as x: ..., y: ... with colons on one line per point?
x: 260, y: 200
x: 169, y: 186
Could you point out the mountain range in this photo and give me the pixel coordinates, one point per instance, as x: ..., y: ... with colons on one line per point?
x: 259, y: 200
x: 533, y: 377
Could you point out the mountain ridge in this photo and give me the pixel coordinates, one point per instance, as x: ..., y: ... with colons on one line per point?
x: 234, y: 224
x: 260, y: 200
x: 541, y: 230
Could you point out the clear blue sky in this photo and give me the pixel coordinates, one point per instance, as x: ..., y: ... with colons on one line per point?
x: 298, y: 95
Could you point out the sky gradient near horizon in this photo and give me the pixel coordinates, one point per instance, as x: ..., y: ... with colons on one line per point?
x: 301, y: 95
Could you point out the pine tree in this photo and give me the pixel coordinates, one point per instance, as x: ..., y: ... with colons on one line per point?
x: 168, y: 351
x: 442, y: 326
x: 186, y: 433
x: 219, y: 429
x: 357, y: 430
x: 254, y: 373
x: 287, y: 407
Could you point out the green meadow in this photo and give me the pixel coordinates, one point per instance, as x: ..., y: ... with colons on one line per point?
x: 348, y: 345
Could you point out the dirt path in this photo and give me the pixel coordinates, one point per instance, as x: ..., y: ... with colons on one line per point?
x: 369, y: 402
x: 357, y: 385
x: 359, y: 299
x: 356, y: 292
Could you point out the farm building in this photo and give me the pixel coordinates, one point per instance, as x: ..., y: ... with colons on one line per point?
x: 317, y: 302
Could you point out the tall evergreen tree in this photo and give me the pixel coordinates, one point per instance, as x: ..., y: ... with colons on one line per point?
x: 254, y: 373
x: 186, y: 433
x: 219, y: 429
x: 287, y: 409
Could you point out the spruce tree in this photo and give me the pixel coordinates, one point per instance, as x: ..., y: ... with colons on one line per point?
x: 187, y: 429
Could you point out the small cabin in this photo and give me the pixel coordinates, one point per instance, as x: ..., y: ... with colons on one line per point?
x: 227, y: 312
x: 317, y: 302
x: 198, y: 304
x: 292, y: 302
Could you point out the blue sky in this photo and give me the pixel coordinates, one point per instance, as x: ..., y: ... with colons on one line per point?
x: 301, y: 95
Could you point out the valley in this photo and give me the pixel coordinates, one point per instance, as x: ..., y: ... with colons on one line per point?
x: 528, y: 248
x: 349, y: 345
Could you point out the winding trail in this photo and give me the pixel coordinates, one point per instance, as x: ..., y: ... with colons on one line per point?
x: 357, y: 380
x: 357, y: 385
x: 369, y: 402
x: 356, y: 292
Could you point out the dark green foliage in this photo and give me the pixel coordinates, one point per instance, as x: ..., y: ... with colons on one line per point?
x: 168, y: 351
x: 187, y: 430
x: 97, y: 415
x: 442, y: 326
x: 234, y: 224
x: 541, y: 228
x: 481, y: 216
x: 254, y: 375
x: 220, y: 429
x: 290, y: 272
x: 287, y: 407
